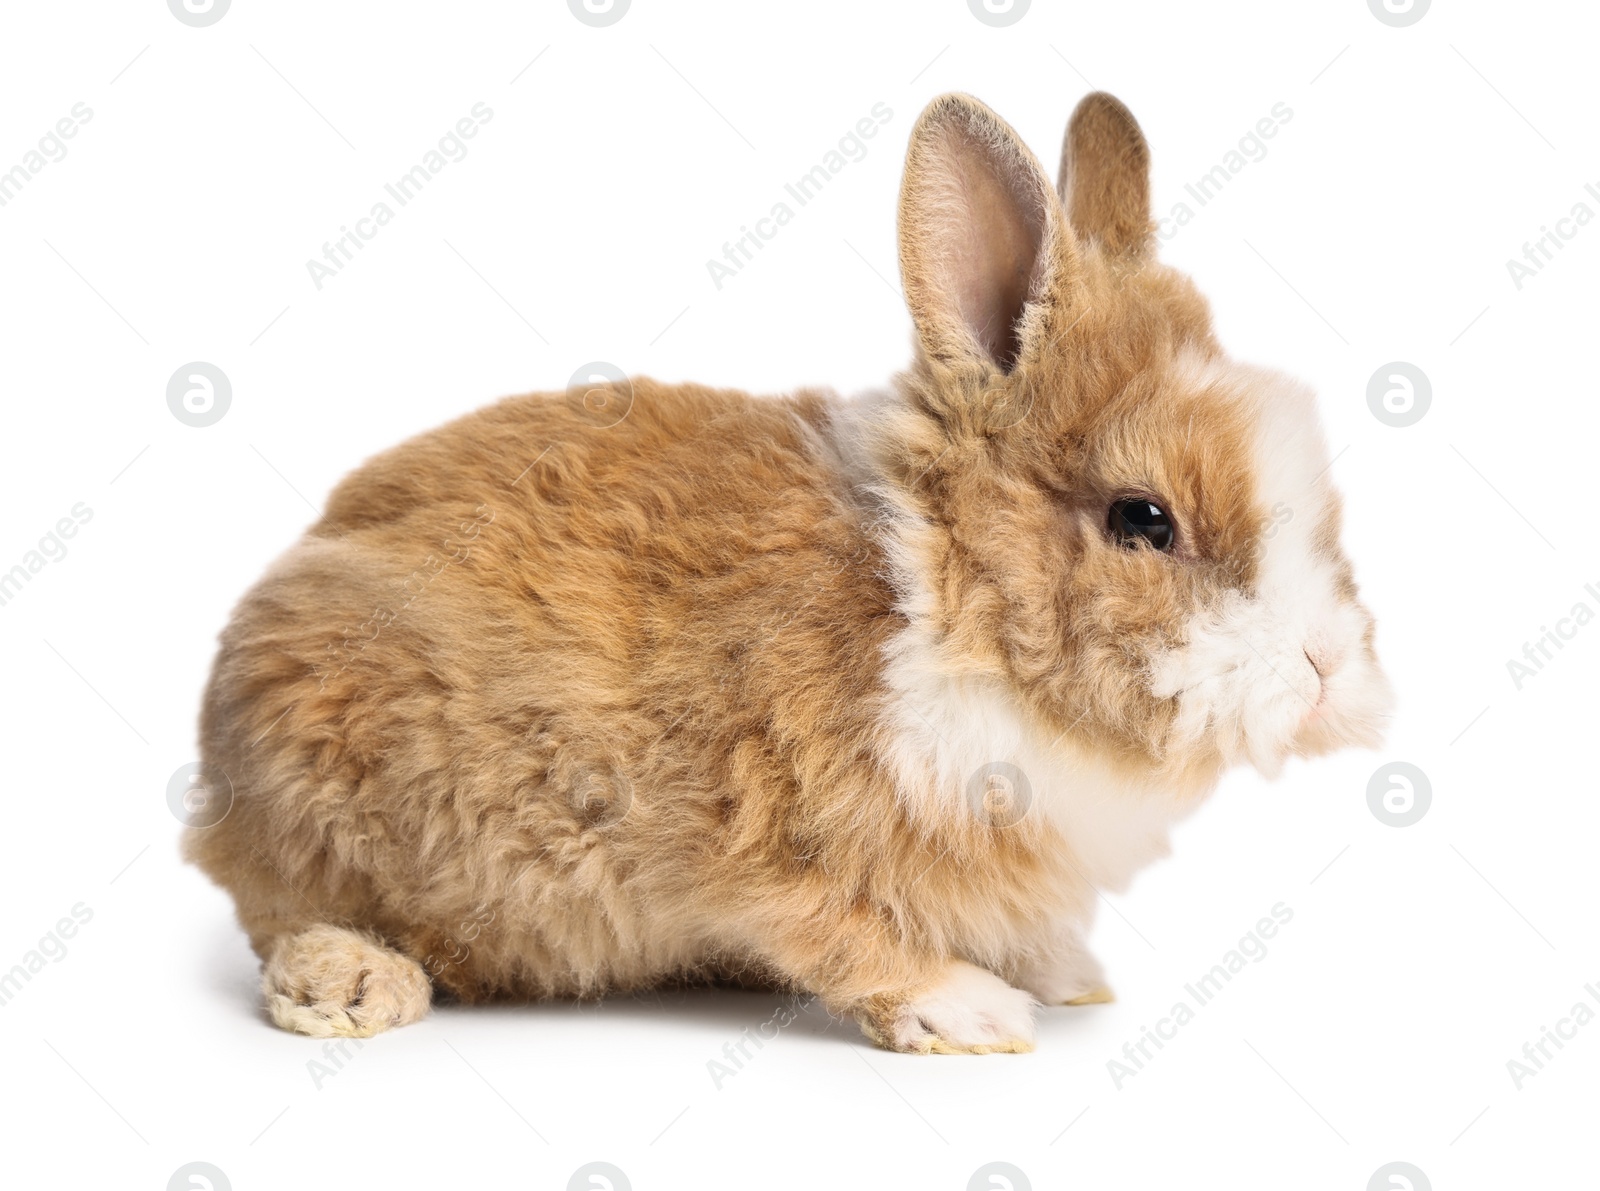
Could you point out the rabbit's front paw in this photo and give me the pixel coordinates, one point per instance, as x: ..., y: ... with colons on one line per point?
x: 967, y: 1012
x: 1072, y: 977
x: 330, y: 982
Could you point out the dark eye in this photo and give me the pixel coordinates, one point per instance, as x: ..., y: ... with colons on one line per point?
x: 1137, y: 519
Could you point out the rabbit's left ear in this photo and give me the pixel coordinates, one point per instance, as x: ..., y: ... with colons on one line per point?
x: 1105, y: 177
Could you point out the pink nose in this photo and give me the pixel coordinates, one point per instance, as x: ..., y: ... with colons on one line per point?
x: 1322, y: 688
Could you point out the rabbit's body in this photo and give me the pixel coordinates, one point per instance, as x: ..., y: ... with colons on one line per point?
x: 587, y: 692
x: 591, y: 707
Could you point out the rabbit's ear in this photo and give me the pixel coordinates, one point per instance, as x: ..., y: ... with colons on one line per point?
x: 1105, y: 176
x: 985, y: 251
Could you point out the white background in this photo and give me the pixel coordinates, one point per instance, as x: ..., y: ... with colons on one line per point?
x: 1377, y: 228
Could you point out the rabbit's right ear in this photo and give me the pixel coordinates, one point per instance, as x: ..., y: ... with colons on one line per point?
x: 1105, y: 176
x: 986, y: 255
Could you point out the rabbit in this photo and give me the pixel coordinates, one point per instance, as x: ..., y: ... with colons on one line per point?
x: 866, y: 699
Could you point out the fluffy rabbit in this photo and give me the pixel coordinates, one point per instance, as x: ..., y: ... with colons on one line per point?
x: 591, y: 691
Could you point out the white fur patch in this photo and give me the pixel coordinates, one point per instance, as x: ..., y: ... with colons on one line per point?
x: 1264, y: 671
x: 970, y: 1011
x: 948, y: 727
x: 1243, y: 677
x: 945, y: 723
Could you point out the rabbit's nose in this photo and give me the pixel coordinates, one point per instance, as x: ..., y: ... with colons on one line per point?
x: 1321, y: 668
x: 1326, y: 657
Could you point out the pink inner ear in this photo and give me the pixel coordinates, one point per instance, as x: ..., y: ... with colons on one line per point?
x: 993, y: 248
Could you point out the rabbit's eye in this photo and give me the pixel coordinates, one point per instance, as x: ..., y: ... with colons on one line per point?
x: 1136, y: 520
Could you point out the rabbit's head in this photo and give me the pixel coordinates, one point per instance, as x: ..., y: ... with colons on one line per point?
x: 1095, y: 510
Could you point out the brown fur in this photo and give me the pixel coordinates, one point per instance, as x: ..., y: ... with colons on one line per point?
x: 551, y: 703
